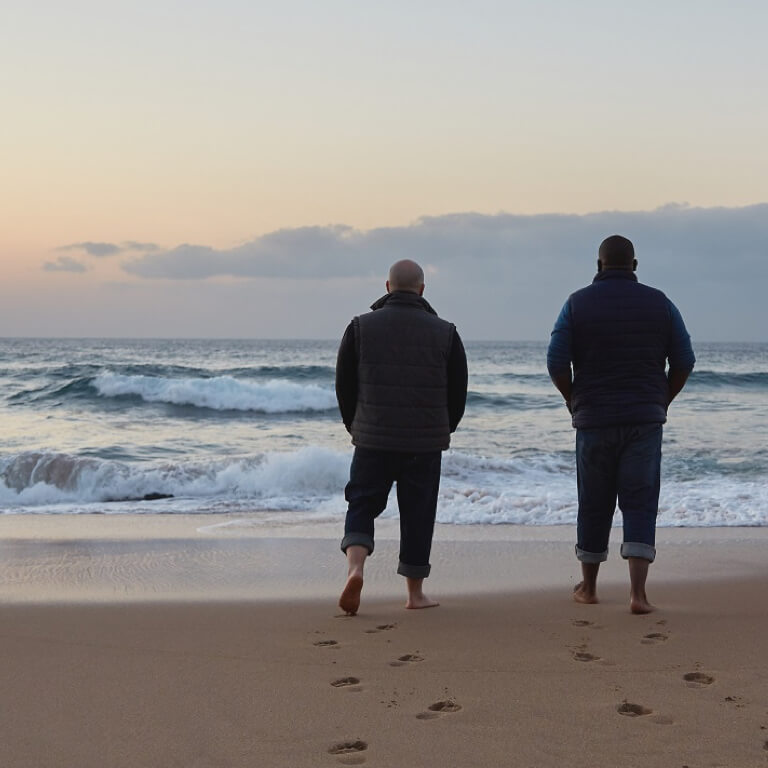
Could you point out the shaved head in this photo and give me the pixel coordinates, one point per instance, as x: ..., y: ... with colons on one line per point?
x: 406, y: 275
x: 616, y: 252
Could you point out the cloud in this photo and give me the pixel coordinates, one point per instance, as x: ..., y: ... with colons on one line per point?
x: 64, y: 264
x: 102, y: 250
x: 93, y: 249
x: 305, y: 252
x: 134, y: 245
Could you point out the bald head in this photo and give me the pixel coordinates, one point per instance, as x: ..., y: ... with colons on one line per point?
x: 616, y: 252
x: 406, y: 275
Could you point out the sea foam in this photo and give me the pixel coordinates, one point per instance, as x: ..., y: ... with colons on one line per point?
x: 535, y: 489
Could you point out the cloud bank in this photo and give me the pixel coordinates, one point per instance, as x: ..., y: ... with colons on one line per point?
x: 507, y: 275
x: 501, y: 276
x: 712, y: 241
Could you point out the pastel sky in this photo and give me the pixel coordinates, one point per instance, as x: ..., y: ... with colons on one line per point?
x: 251, y: 169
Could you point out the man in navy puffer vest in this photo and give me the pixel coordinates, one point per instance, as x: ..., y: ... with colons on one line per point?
x: 401, y: 383
x: 618, y: 335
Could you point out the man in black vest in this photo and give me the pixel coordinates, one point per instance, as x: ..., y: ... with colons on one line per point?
x: 401, y: 383
x: 619, y: 335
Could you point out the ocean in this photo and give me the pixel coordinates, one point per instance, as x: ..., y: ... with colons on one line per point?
x: 104, y: 426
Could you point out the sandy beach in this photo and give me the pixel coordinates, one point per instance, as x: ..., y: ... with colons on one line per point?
x: 178, y: 641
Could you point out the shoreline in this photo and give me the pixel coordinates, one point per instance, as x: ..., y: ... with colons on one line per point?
x: 126, y: 557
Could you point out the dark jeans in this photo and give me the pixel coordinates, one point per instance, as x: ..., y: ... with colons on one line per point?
x: 625, y: 463
x: 418, y: 480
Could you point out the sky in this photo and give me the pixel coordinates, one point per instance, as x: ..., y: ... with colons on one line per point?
x: 251, y: 169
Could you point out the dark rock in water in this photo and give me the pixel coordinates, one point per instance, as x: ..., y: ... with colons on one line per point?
x: 156, y: 496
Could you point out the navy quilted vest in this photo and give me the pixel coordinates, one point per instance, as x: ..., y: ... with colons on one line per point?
x: 621, y: 335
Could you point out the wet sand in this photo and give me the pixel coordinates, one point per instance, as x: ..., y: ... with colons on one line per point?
x: 138, y: 641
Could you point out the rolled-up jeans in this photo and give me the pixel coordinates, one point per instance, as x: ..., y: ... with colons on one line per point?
x: 624, y: 463
x: 371, y: 476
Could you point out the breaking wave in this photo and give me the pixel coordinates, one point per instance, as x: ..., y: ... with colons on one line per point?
x: 220, y: 393
x: 538, y: 489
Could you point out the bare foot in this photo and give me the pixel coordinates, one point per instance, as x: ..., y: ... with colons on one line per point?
x: 581, y: 594
x: 420, y: 600
x: 349, y: 602
x: 639, y: 604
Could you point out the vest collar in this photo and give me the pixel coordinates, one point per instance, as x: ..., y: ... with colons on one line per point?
x: 615, y: 274
x: 403, y: 298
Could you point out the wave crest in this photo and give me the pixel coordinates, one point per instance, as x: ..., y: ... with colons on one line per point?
x: 719, y: 379
x: 220, y: 393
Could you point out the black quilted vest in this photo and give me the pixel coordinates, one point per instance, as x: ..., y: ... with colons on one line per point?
x: 402, y: 396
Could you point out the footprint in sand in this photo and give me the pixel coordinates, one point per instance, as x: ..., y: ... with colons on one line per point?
x: 439, y: 708
x: 326, y: 643
x: 380, y: 628
x: 662, y: 720
x: 585, y: 624
x: 654, y: 637
x: 698, y: 679
x: 347, y: 682
x: 584, y: 656
x: 633, y: 710
x: 348, y: 752
x: 409, y: 658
